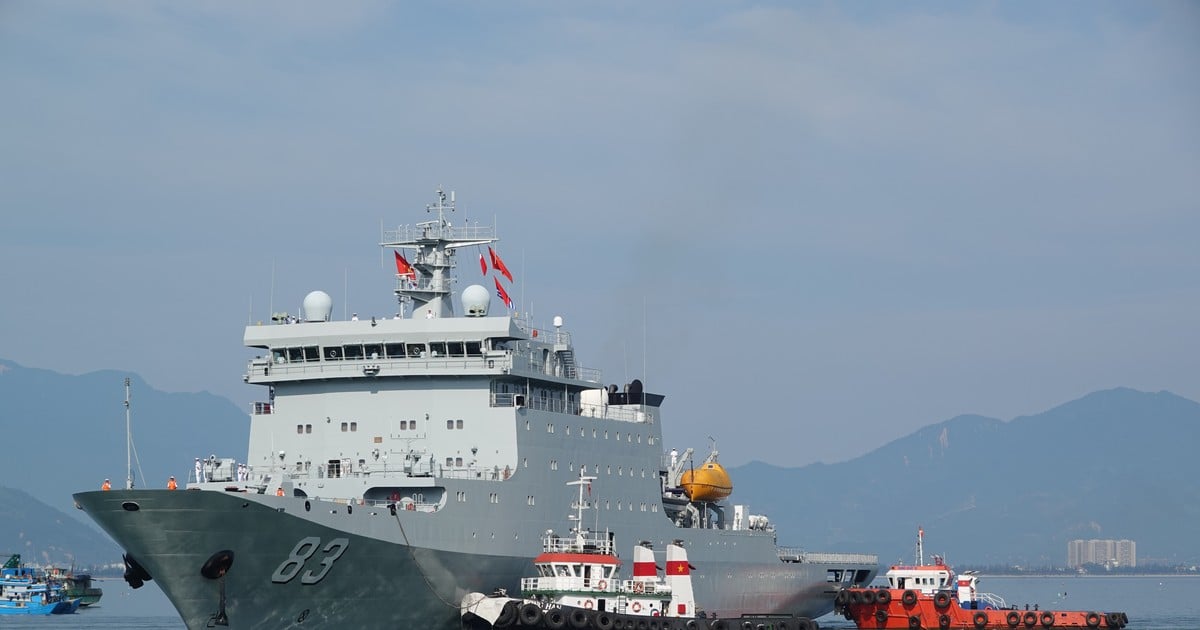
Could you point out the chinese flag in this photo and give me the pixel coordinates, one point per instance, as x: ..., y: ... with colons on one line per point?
x: 498, y: 264
x: 502, y: 293
x: 403, y: 268
x: 482, y: 265
x: 677, y: 567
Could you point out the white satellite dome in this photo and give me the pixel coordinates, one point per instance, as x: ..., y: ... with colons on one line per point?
x: 317, y: 306
x: 476, y: 299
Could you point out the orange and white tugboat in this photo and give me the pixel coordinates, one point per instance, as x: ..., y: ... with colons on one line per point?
x: 578, y: 587
x: 933, y: 596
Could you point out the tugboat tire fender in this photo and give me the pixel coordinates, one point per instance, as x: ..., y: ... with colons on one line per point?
x: 942, y: 599
x: 881, y: 616
x: 555, y: 619
x: 577, y: 619
x: 1047, y: 619
x: 914, y: 622
x: 944, y: 621
x: 868, y: 596
x: 508, y: 614
x: 1092, y: 620
x: 1013, y: 619
x: 1030, y: 619
x: 692, y: 625
x: 531, y: 615
x: 909, y: 598
x: 720, y: 625
x: 884, y: 597
x: 603, y: 621
x: 1114, y: 620
x: 980, y: 620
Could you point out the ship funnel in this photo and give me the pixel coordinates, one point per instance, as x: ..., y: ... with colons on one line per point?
x: 644, y: 569
x: 679, y: 580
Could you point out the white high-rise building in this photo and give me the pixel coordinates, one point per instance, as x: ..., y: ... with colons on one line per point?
x: 1107, y: 552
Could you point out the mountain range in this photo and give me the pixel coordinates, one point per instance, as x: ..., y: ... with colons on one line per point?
x: 1114, y: 464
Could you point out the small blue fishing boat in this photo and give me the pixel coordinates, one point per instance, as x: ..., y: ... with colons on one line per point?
x: 25, y: 591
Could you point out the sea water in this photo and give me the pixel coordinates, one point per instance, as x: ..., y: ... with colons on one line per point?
x: 1152, y: 603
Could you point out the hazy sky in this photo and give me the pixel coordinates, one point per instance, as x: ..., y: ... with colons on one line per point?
x: 814, y: 227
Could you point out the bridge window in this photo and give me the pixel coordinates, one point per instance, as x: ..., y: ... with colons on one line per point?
x: 345, y: 427
x: 394, y: 350
x: 333, y: 353
x: 353, y: 426
x: 308, y: 428
x: 373, y: 351
x: 352, y: 352
x: 300, y: 428
x: 455, y: 349
x: 474, y: 349
x: 416, y: 350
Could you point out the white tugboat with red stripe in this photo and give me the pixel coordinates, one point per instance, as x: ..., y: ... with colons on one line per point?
x: 579, y: 586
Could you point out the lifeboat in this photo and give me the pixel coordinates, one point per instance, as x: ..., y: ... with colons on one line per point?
x: 709, y: 482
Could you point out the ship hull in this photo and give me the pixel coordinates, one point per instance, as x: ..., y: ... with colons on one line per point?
x: 345, y: 564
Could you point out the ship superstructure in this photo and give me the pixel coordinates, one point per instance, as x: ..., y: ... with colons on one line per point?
x: 398, y: 463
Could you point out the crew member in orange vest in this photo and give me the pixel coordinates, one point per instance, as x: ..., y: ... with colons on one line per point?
x: 106, y: 485
x: 279, y: 491
x: 171, y: 485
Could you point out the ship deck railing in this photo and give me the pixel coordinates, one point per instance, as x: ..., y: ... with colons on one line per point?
x: 569, y: 583
x: 494, y: 473
x: 992, y: 599
x: 590, y: 542
x: 796, y: 554
x: 374, y: 366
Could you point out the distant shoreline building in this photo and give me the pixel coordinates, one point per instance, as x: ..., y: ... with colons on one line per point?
x: 1110, y: 553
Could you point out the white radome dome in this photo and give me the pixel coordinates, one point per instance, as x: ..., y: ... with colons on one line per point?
x: 317, y: 306
x: 476, y: 300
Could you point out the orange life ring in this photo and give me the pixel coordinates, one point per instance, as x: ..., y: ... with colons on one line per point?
x: 588, y: 604
x: 636, y: 607
x: 601, y: 585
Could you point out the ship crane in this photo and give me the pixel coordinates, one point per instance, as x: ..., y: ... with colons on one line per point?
x: 677, y: 468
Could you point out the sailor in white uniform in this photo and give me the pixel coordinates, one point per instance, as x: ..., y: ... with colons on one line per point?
x: 199, y: 471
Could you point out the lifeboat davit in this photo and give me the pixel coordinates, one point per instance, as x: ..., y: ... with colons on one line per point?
x: 709, y: 482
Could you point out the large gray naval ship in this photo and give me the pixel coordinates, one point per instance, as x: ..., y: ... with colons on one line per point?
x: 397, y: 464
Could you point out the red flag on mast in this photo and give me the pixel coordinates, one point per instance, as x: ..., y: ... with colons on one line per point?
x: 498, y: 264
x: 482, y: 265
x: 403, y: 268
x: 502, y: 293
